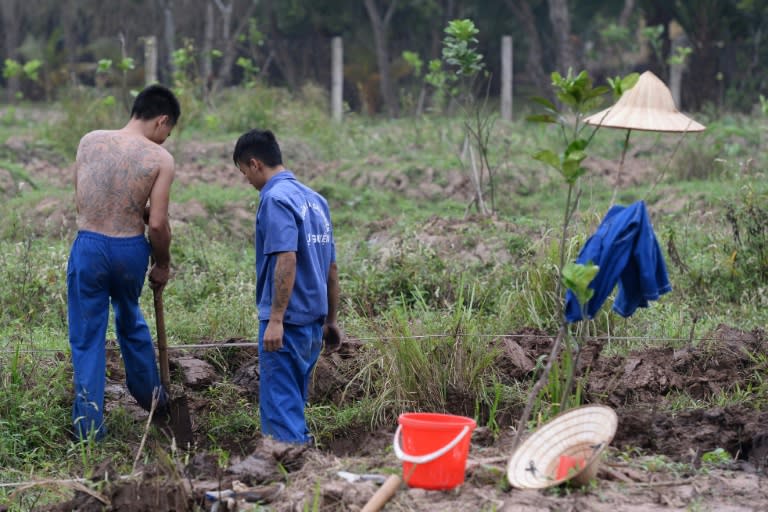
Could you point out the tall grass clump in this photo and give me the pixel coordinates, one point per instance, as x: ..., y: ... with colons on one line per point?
x: 258, y: 107
x: 34, y: 410
x: 34, y: 292
x: 425, y: 359
x: 728, y: 262
x: 83, y: 110
x: 212, y: 292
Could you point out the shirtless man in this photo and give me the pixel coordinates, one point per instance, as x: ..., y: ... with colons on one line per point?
x: 117, y: 173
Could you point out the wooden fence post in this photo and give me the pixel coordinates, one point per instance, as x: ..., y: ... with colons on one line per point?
x: 506, y: 78
x: 150, y: 60
x: 337, y: 77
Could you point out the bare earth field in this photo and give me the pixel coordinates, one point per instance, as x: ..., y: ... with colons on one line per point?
x: 654, y: 462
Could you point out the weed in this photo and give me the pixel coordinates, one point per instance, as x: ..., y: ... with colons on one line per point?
x: 317, y: 495
x: 428, y: 315
x: 716, y: 457
x: 34, y: 411
x: 663, y: 464
x: 84, y: 110
x: 230, y: 420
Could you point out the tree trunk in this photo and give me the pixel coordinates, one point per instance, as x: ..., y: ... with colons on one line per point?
x: 534, y: 62
x: 626, y: 12
x: 702, y: 71
x: 380, y: 26
x: 69, y: 13
x: 565, y: 49
x: 169, y: 35
x: 207, y: 64
x: 230, y: 43
x: 226, y: 17
x: 659, y: 12
x: 284, y: 52
x: 10, y: 11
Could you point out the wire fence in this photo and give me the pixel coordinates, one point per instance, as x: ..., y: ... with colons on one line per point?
x: 254, y: 343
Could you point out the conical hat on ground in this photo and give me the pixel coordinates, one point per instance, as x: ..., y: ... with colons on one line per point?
x: 583, y: 432
x: 647, y: 106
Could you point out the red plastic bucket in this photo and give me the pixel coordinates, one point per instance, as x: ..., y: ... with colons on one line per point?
x: 434, y: 449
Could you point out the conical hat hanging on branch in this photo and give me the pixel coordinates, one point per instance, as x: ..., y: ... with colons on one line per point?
x: 647, y: 106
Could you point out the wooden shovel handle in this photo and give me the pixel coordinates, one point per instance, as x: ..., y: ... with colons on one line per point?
x: 162, y: 342
x: 382, y: 496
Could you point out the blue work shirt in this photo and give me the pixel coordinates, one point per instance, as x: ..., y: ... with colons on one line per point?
x: 294, y: 218
x: 626, y: 250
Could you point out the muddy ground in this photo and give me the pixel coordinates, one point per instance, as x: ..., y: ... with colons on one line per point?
x: 654, y: 462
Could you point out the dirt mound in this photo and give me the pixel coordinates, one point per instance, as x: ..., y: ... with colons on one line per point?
x: 418, y: 183
x: 665, y: 468
x: 642, y: 386
x: 150, y: 490
x: 686, y: 435
x: 635, y: 171
x: 456, y: 241
x: 722, y: 361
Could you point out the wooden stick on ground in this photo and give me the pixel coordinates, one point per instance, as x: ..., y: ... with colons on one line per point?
x: 382, y: 496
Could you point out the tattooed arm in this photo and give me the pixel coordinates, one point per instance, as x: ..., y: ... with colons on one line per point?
x: 285, y: 276
x: 159, y: 227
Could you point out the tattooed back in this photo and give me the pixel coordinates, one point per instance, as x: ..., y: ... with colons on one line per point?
x: 115, y: 172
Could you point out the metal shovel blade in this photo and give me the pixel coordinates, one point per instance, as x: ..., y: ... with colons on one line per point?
x: 178, y: 419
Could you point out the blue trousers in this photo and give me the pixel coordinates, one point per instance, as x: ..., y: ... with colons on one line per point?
x: 100, y: 269
x: 284, y: 381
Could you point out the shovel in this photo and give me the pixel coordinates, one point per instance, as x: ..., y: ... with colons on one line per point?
x: 178, y: 420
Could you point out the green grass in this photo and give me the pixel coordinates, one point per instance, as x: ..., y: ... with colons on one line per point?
x: 427, y: 316
x: 215, y: 198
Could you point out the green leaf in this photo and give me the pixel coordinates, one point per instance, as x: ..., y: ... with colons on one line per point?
x: 572, y: 171
x: 541, y: 118
x: 568, y: 98
x: 104, y: 65
x: 545, y: 103
x: 716, y: 457
x: 597, y: 91
x: 577, y: 145
x: 629, y: 81
x: 575, y: 156
x: 126, y: 64
x: 548, y: 157
x: 577, y: 276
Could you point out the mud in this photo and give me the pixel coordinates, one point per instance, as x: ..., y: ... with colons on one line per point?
x: 654, y: 462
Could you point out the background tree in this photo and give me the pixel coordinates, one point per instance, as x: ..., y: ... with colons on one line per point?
x: 534, y: 63
x: 380, y: 21
x: 70, y: 36
x: 11, y: 12
x: 708, y: 24
x: 565, y: 49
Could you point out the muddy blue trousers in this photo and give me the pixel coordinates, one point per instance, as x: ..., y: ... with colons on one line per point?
x: 101, y: 269
x: 284, y: 381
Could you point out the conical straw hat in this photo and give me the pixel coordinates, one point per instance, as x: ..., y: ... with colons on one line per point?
x: 646, y: 106
x: 581, y: 432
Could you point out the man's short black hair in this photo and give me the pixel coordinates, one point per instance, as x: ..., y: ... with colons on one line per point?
x: 259, y: 144
x: 156, y: 100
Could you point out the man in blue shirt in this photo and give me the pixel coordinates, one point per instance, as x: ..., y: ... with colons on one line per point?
x: 297, y: 284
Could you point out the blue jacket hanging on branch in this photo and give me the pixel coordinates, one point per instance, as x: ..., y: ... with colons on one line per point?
x: 626, y: 250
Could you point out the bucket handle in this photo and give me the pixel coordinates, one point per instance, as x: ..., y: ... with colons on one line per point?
x: 429, y: 457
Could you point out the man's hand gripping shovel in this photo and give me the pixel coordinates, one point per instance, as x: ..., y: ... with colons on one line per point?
x: 176, y: 416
